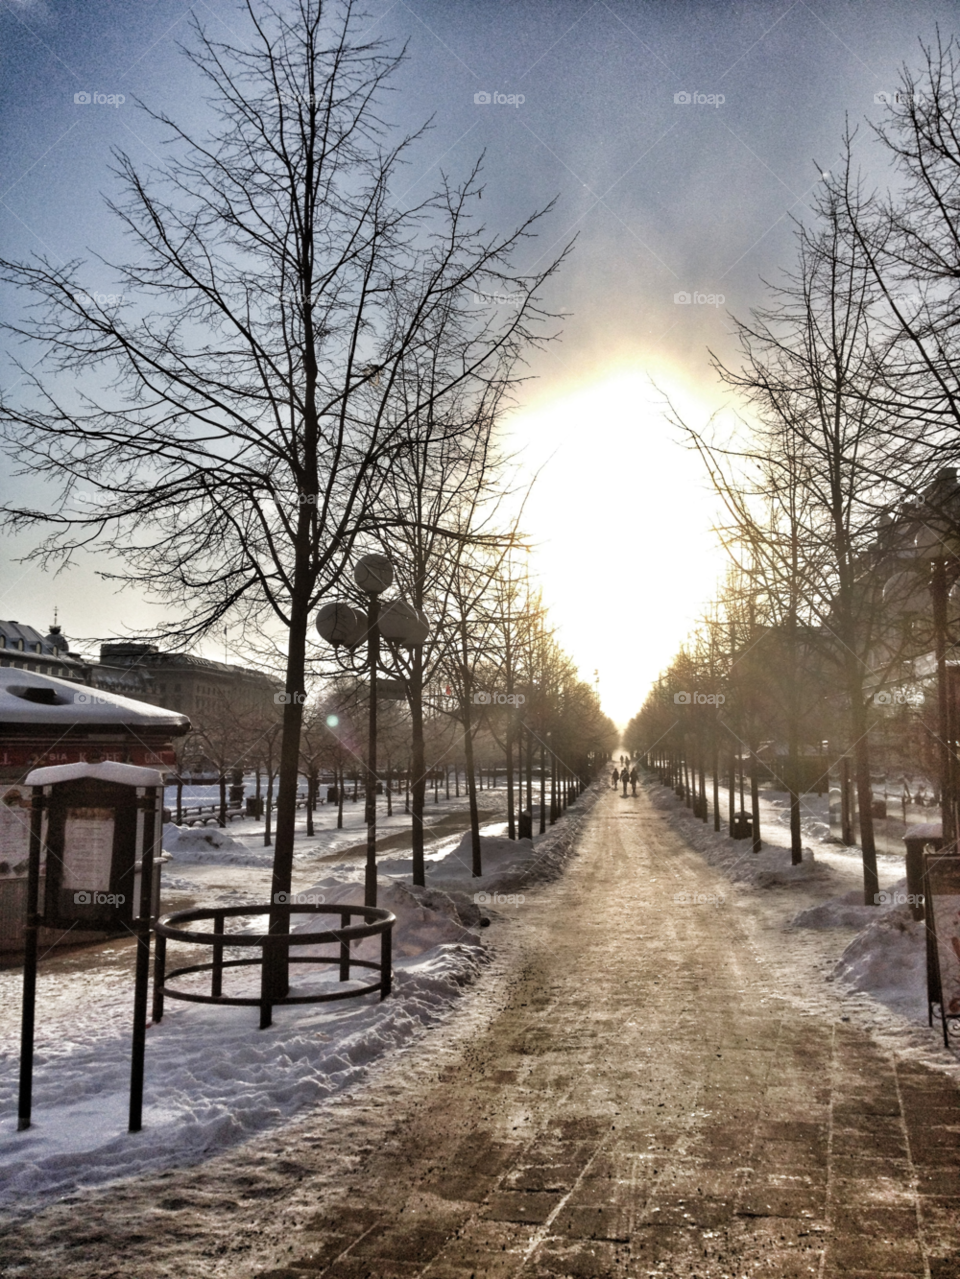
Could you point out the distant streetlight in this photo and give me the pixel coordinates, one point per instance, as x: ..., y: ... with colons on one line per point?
x: 341, y: 624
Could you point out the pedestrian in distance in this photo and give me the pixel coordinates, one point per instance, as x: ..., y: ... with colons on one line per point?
x: 614, y: 777
x: 633, y: 779
x: 624, y: 777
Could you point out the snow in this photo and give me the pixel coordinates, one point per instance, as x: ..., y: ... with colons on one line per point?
x: 206, y: 839
x: 75, y: 704
x: 108, y: 771
x: 212, y: 1078
x: 888, y: 961
x: 882, y: 949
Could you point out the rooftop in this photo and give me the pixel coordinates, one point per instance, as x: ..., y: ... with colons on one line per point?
x: 30, y: 698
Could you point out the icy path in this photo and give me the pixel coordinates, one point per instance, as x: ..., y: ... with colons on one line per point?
x: 637, y: 1085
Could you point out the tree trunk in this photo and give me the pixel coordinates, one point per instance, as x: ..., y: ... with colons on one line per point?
x: 861, y: 756
x: 846, y: 807
x: 476, y: 864
x: 732, y: 793
x: 511, y: 805
x: 796, y: 845
x: 267, y: 835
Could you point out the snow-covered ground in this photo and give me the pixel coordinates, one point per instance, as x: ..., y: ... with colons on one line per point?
x: 213, y: 1078
x: 873, y: 956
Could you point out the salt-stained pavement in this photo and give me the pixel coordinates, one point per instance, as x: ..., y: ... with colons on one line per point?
x: 634, y: 1089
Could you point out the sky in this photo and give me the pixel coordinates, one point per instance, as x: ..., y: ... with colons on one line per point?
x: 678, y: 139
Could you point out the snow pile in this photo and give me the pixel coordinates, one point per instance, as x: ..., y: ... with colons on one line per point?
x: 735, y: 858
x: 419, y: 926
x: 848, y: 911
x: 888, y: 960
x: 206, y: 843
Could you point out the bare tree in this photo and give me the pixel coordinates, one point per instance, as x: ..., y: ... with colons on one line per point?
x: 237, y: 415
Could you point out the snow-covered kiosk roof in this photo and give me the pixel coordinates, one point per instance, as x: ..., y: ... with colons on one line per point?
x: 45, y: 721
x: 125, y: 774
x: 26, y: 698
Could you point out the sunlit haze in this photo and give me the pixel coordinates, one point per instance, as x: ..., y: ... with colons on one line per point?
x: 610, y: 550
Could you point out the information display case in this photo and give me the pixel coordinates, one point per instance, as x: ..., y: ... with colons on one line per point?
x: 94, y: 840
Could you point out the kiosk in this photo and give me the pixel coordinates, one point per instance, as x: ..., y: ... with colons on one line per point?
x: 95, y: 830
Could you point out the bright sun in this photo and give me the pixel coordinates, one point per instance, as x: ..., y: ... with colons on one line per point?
x: 621, y: 515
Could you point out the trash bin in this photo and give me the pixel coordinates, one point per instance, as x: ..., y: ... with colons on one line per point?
x: 525, y: 825
x: 699, y: 806
x: 333, y: 795
x: 678, y: 791
x: 742, y: 826
x: 254, y: 806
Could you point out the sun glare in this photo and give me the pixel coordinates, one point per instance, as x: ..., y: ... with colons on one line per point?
x: 621, y: 516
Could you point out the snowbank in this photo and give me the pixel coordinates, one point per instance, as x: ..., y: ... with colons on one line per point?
x: 888, y: 960
x: 419, y: 926
x: 847, y: 911
x: 210, y: 844
x: 735, y: 858
x: 887, y: 957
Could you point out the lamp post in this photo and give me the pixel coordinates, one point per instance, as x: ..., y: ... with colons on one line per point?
x: 340, y: 624
x: 373, y: 574
x: 939, y: 544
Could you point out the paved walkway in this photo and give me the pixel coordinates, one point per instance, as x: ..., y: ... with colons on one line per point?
x: 646, y: 1104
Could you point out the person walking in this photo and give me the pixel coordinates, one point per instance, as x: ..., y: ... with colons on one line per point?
x: 633, y: 779
x: 615, y: 777
x: 624, y: 777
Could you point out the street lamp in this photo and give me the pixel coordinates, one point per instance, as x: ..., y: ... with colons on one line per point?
x: 342, y: 625
x: 937, y: 542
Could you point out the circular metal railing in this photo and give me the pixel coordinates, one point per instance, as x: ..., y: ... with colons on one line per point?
x: 274, y: 948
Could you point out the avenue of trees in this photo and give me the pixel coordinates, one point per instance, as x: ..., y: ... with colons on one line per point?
x: 840, y: 488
